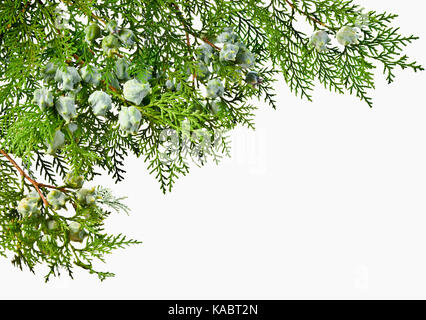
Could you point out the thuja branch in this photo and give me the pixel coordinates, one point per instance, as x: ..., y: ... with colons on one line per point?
x: 36, y: 185
x: 113, y: 78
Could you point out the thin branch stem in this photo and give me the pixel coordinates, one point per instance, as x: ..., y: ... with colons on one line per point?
x: 36, y: 185
x: 188, y: 40
x: 187, y: 31
x: 307, y: 15
x: 211, y: 44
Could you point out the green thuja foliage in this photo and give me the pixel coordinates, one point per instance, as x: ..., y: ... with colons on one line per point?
x: 85, y: 83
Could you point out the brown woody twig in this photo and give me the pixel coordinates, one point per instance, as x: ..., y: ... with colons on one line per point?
x: 36, y: 185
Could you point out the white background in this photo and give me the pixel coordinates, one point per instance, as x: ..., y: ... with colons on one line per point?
x: 325, y: 200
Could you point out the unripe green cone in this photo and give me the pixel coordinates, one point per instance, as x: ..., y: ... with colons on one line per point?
x: 112, y: 26
x: 52, y: 225
x: 93, y: 32
x: 29, y: 206
x: 126, y: 36
x: 57, y: 199
x: 73, y: 180
x: 76, y: 232
x: 252, y: 78
x: 86, y: 197
x: 110, y: 45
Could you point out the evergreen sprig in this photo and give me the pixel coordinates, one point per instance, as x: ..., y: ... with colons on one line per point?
x: 161, y: 80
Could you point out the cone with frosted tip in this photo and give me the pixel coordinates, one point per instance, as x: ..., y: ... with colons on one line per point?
x: 57, y: 143
x: 228, y: 35
x: 347, y: 36
x: 67, y: 77
x: 101, y: 103
x: 130, y: 119
x: 91, y: 75
x: 170, y: 85
x: 121, y: 69
x: 66, y: 108
x: 43, y: 98
x: 205, y: 53
x: 215, y: 89
x: 229, y: 52
x: 319, y: 40
x: 29, y: 206
x: 135, y: 91
x: 245, y: 58
x: 112, y: 26
x: 49, y: 71
x: 57, y: 199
